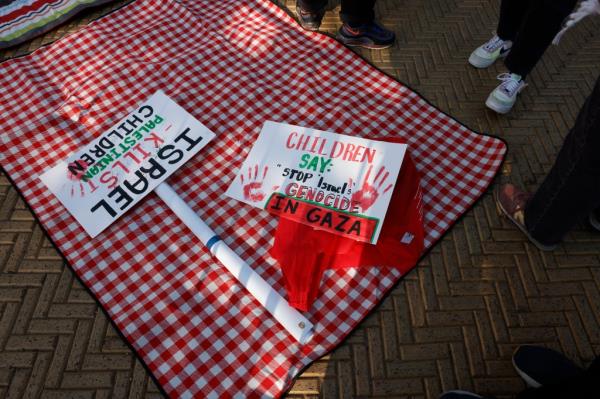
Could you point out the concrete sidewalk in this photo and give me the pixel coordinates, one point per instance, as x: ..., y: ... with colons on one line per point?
x: 452, y: 323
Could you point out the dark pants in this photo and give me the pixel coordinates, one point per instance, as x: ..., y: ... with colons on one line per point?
x: 353, y: 12
x: 586, y: 385
x: 571, y: 191
x: 531, y: 25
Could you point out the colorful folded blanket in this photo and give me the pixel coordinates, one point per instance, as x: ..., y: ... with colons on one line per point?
x: 233, y: 64
x: 21, y: 20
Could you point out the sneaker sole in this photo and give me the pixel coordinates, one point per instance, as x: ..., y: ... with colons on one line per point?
x: 362, y: 42
x: 496, y: 106
x: 481, y: 63
x: 535, y: 242
x: 309, y: 28
x: 594, y: 222
x: 524, y: 376
x: 465, y: 393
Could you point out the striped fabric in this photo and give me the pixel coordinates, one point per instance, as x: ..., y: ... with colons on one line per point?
x: 21, y: 20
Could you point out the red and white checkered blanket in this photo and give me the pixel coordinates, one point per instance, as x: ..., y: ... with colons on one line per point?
x: 232, y: 64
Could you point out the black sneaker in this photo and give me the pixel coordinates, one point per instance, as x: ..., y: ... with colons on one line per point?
x: 595, y: 219
x: 542, y: 366
x: 460, y: 395
x: 371, y: 35
x: 310, y: 20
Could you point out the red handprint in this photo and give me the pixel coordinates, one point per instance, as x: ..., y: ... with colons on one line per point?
x: 368, y: 194
x: 253, y: 189
x: 75, y: 173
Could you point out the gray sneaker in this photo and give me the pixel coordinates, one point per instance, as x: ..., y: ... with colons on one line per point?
x: 504, y: 96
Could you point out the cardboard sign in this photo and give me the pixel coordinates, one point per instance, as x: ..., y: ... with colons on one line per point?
x: 100, y: 182
x: 333, y: 182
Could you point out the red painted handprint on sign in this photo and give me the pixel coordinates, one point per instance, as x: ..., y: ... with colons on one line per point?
x: 253, y: 189
x: 75, y: 174
x: 368, y: 194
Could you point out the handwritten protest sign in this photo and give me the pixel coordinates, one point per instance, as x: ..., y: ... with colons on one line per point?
x: 104, y: 179
x: 338, y: 183
x: 115, y: 171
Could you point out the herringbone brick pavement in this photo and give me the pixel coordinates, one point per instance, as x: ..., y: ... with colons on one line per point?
x: 452, y: 323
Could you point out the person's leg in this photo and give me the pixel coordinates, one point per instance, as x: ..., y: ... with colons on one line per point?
x: 360, y: 28
x: 571, y: 191
x: 539, y: 24
x: 537, y: 29
x: 357, y: 12
x: 310, y: 13
x: 512, y: 14
x: 311, y: 5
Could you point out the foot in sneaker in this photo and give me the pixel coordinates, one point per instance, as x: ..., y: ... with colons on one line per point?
x: 505, y: 95
x: 460, y: 395
x: 486, y: 54
x: 542, y: 366
x: 371, y: 35
x: 511, y: 201
x: 595, y: 219
x: 310, y: 20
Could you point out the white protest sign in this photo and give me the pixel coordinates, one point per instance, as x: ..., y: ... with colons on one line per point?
x: 342, y: 184
x: 104, y: 179
x: 111, y: 174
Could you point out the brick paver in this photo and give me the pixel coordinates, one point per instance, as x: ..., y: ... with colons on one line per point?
x: 452, y: 323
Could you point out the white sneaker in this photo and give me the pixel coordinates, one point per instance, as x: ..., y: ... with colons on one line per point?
x: 504, y: 96
x: 486, y: 54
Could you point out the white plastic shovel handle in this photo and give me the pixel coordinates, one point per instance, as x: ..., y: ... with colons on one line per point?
x: 292, y: 320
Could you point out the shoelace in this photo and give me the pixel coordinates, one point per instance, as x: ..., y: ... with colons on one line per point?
x: 493, y: 44
x: 509, y: 83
